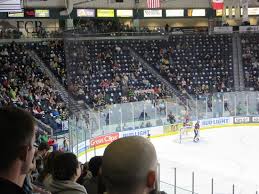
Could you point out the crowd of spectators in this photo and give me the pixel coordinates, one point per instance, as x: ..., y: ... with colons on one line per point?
x: 197, y: 64
x: 93, y: 26
x: 13, y: 33
x: 110, y: 27
x: 10, y: 34
x: 100, y: 72
x: 28, y: 168
x: 24, y: 85
x: 103, y: 72
x: 250, y: 58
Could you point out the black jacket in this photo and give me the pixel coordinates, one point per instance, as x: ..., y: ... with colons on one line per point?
x: 7, y: 187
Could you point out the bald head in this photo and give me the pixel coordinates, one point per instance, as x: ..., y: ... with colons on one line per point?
x: 127, y: 162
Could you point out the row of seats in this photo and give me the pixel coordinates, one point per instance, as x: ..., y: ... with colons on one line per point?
x: 103, y: 71
x: 198, y: 64
x: 100, y: 72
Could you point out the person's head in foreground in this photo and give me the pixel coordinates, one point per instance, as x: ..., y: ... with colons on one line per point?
x: 130, y: 166
x: 66, y: 171
x: 18, y: 137
x: 66, y: 167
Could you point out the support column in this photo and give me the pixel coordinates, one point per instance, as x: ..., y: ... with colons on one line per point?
x: 69, y: 24
x: 136, y: 24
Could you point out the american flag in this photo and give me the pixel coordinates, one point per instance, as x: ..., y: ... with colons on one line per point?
x: 153, y: 4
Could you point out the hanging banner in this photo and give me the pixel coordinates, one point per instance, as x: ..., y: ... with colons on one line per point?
x: 217, y: 4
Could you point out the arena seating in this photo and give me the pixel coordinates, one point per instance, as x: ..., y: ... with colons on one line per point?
x: 192, y: 63
x: 23, y: 84
x: 250, y: 58
x: 53, y: 55
x: 101, y: 72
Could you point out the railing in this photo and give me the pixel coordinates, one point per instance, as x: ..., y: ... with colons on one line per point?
x: 172, y: 189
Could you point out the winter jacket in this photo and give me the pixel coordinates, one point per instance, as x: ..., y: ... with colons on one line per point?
x: 66, y: 187
x: 91, y: 185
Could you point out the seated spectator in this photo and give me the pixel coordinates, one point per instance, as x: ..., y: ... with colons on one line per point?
x: 91, y: 185
x: 18, y: 130
x: 66, y: 171
x: 130, y: 166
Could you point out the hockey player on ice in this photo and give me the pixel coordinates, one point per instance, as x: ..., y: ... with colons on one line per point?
x: 196, y: 132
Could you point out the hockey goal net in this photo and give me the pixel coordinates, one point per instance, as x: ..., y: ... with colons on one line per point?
x: 185, y: 133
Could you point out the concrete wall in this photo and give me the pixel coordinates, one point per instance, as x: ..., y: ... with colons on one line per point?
x: 45, y: 4
x: 197, y: 22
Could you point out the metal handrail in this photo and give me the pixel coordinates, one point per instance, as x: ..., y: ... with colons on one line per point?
x: 178, y: 187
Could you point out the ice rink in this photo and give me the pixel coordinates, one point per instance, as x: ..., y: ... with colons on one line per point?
x: 228, y: 155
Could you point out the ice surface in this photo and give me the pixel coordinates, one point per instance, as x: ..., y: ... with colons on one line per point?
x: 228, y: 155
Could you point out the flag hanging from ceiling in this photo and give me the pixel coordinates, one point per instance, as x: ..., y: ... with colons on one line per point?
x: 153, y: 4
x: 217, y: 4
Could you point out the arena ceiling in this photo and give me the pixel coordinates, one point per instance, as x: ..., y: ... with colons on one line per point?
x: 126, y: 3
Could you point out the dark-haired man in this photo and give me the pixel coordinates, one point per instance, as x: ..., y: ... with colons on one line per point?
x: 66, y: 171
x: 17, y: 143
x: 94, y: 165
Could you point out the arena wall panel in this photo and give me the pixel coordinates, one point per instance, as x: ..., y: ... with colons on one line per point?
x: 44, y: 4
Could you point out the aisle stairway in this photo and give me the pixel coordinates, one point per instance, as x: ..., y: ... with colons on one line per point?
x: 73, y: 105
x: 170, y: 88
